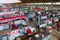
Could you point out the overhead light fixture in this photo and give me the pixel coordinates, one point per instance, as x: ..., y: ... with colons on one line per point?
x: 56, y: 3
x: 34, y: 3
x: 48, y: 3
x: 9, y: 1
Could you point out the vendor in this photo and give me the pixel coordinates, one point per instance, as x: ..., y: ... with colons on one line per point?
x: 14, y: 26
x: 58, y: 25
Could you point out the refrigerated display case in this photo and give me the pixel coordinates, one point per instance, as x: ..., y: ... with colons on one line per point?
x: 19, y: 22
x: 5, y: 37
x: 4, y: 26
x: 13, y: 34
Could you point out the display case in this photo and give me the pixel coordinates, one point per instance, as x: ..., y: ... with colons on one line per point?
x: 13, y: 34
x: 5, y: 37
x: 58, y: 14
x: 43, y: 35
x: 4, y: 26
x: 42, y: 24
x: 19, y: 22
x: 22, y: 31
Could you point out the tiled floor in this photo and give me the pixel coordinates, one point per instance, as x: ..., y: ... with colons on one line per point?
x: 53, y: 38
x: 55, y: 35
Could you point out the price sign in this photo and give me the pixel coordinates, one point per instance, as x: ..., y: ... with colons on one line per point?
x: 14, y: 32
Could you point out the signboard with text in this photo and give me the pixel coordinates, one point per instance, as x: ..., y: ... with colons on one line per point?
x: 13, y: 34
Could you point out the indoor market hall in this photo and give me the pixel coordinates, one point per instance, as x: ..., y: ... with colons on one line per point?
x: 29, y: 20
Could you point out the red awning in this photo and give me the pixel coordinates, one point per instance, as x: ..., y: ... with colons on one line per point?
x: 12, y: 18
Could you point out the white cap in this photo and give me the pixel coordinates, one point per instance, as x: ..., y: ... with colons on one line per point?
x: 39, y: 12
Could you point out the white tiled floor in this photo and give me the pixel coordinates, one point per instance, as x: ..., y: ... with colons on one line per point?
x: 53, y: 38
x: 55, y: 35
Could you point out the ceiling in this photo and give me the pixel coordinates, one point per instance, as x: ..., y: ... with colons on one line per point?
x: 38, y: 1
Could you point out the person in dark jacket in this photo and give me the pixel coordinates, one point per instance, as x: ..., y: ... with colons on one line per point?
x: 14, y: 26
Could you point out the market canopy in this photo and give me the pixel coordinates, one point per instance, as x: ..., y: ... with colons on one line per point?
x: 9, y: 1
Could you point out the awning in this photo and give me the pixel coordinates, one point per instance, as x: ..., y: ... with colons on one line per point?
x: 12, y: 18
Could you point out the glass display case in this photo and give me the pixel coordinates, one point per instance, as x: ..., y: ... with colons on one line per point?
x: 19, y: 22
x: 4, y: 26
x: 5, y: 37
x: 13, y: 34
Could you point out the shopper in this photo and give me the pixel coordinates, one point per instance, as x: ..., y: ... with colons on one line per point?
x: 14, y: 26
x: 58, y: 25
x: 53, y: 21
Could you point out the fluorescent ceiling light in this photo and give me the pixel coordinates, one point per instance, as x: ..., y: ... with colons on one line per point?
x: 39, y: 3
x: 47, y: 3
x: 57, y: 3
x: 34, y: 3
x: 9, y: 1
